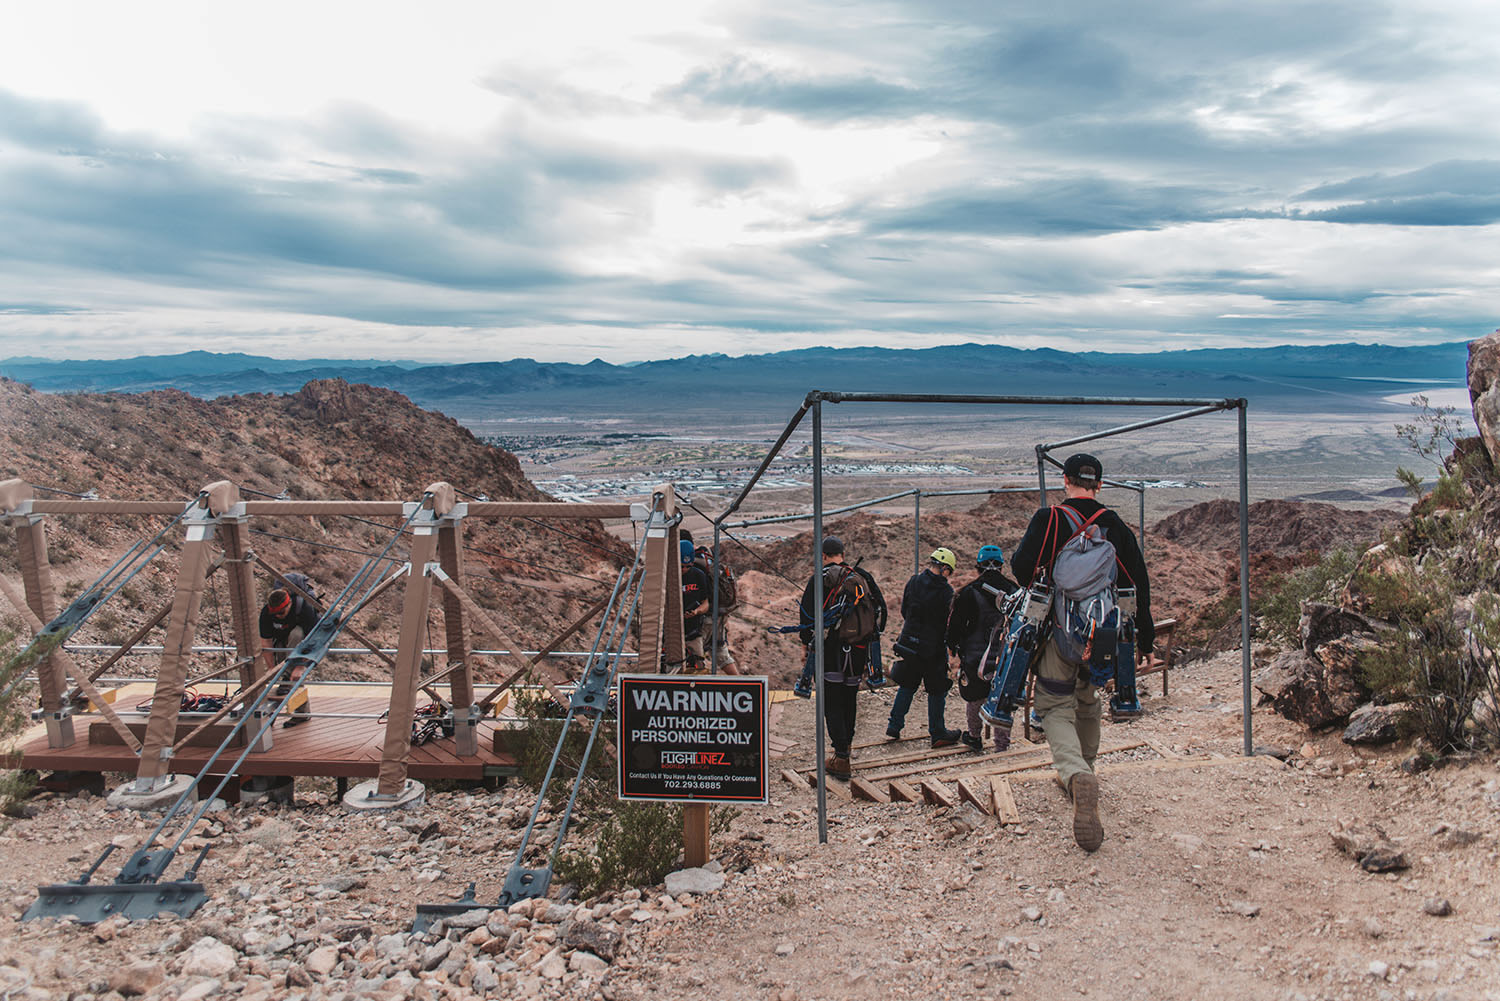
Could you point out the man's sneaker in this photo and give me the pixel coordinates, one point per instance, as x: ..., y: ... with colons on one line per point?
x: 945, y: 739
x: 970, y: 741
x: 1087, y: 830
x: 802, y: 689
x: 877, y: 677
x: 891, y: 733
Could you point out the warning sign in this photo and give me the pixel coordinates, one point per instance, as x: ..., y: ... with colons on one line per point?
x: 693, y: 738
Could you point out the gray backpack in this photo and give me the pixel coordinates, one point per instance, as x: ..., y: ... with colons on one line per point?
x: 1083, y: 581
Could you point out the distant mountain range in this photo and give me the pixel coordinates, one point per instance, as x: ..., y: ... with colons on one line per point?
x: 1322, y: 378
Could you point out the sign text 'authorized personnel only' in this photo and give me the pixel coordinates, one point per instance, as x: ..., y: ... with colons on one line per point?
x: 693, y: 738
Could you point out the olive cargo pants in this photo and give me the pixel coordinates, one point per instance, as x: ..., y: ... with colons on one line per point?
x: 1070, y: 710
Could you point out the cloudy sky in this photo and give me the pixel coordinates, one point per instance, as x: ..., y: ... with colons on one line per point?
x: 563, y: 181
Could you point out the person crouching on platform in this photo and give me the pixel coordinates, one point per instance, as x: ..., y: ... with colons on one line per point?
x: 286, y: 620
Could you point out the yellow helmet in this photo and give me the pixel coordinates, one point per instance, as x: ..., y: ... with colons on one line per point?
x: 944, y: 556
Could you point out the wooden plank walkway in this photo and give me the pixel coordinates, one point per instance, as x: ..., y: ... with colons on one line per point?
x: 335, y: 748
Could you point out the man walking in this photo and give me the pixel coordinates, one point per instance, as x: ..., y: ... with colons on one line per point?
x: 695, y: 606
x: 852, y: 611
x: 1067, y: 700
x: 833, y: 553
x: 923, y: 650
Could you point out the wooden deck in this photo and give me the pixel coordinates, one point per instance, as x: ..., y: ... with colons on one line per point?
x: 336, y: 748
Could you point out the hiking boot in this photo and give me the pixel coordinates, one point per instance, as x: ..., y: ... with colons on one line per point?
x: 877, y: 678
x: 1087, y: 830
x: 838, y: 767
x: 802, y: 689
x: 891, y: 733
x: 947, y: 738
x: 971, y: 741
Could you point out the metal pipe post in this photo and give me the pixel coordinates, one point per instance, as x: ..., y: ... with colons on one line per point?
x: 916, y: 548
x: 713, y: 612
x: 1041, y: 475
x: 1143, y: 520
x: 1245, y: 575
x: 817, y: 615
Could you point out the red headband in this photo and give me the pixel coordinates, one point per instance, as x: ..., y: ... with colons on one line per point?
x: 282, y: 605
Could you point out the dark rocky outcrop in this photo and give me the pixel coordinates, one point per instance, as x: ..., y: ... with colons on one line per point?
x: 1484, y: 390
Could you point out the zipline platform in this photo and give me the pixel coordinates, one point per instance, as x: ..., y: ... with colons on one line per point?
x: 326, y: 745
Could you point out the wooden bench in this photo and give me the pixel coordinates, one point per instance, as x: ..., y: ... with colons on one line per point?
x: 1163, y: 662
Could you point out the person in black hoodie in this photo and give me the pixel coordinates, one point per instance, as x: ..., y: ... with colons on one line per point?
x: 844, y: 664
x: 922, y: 648
x: 1066, y: 700
x: 976, y: 612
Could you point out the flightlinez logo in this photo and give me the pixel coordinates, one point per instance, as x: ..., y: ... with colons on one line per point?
x: 685, y: 759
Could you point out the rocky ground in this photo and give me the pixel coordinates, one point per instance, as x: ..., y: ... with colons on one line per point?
x: 1219, y: 876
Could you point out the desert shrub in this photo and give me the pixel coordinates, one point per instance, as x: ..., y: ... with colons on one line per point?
x: 1279, y: 604
x: 637, y: 844
x: 615, y: 844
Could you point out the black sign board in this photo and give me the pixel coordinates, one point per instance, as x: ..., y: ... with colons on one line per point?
x: 693, y: 739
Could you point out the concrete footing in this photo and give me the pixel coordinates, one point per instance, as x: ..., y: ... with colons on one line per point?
x: 164, y: 792
x: 364, y: 797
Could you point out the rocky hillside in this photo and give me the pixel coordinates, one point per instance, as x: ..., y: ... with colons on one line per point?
x: 330, y: 440
x: 1408, y: 642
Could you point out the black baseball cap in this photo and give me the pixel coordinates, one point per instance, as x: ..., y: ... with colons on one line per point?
x: 833, y: 546
x: 1084, y: 469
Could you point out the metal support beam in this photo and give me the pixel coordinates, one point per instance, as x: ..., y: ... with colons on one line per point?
x: 455, y: 630
x: 408, y: 674
x: 916, y: 545
x: 1245, y: 576
x: 819, y: 653
x: 243, y: 602
x: 41, y: 598
x: 661, y: 599
x: 482, y: 622
x: 543, y: 653
x: 182, y: 626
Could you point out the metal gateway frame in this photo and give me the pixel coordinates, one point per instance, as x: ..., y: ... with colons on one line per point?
x: 917, y: 493
x: 813, y: 403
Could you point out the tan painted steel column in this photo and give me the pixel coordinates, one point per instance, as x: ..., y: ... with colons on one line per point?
x: 244, y: 603
x: 41, y: 596
x: 662, y: 589
x: 408, y: 674
x: 182, y: 626
x: 456, y: 629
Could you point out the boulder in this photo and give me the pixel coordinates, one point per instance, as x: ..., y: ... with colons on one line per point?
x: 1302, y: 688
x: 137, y: 978
x: 693, y: 881
x: 1484, y: 391
x: 208, y: 957
x: 1368, y: 845
x: 590, y: 936
x: 1372, y: 724
x: 1321, y: 624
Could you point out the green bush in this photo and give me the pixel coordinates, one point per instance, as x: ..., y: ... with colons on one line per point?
x: 1280, y: 602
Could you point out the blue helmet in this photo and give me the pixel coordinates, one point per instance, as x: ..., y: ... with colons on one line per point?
x: 989, y: 554
x: 685, y: 547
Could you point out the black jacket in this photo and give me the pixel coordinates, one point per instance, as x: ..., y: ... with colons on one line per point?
x: 924, y: 605
x: 975, y: 615
x: 1048, y: 531
x: 806, y: 606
